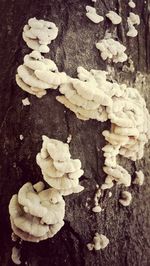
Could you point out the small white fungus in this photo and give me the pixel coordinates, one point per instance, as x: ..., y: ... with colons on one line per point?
x: 114, y: 17
x: 92, y: 15
x: 131, y: 4
x: 26, y: 101
x: 139, y: 180
x: 110, y: 194
x: 69, y: 138
x: 97, y: 209
x: 126, y: 198
x: 99, y: 242
x: 133, y: 20
x: 21, y: 137
x: 15, y: 256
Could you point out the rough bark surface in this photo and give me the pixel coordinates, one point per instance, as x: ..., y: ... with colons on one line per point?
x: 128, y: 229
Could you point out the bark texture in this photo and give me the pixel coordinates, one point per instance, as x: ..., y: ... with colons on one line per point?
x: 128, y: 229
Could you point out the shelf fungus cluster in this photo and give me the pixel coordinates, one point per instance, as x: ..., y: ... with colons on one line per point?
x: 37, y: 74
x: 130, y: 131
x: 39, y: 33
x: 36, y: 214
x: 84, y: 97
x: 58, y: 169
x: 139, y: 180
x: 112, y: 50
x: 130, y: 124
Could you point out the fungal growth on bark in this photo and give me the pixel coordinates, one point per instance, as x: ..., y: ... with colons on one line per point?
x: 26, y: 101
x: 15, y: 256
x: 123, y: 106
x: 39, y: 33
x: 21, y: 137
x: 36, y: 215
x: 31, y: 75
x: 133, y: 20
x: 130, y: 124
x: 85, y: 102
x: 112, y: 50
x: 97, y: 208
x: 58, y: 169
x: 92, y: 15
x: 131, y: 4
x: 139, y: 180
x: 99, y: 242
x: 117, y: 174
x: 126, y: 198
x: 130, y: 131
x: 114, y: 17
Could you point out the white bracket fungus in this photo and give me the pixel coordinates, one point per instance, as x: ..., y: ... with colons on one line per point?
x: 130, y: 131
x: 118, y: 174
x: 132, y: 32
x: 38, y: 34
x: 26, y: 101
x: 139, y: 180
x: 15, y: 256
x: 58, y: 169
x: 132, y: 20
x: 131, y: 128
x: 36, y: 216
x: 92, y: 15
x: 97, y: 208
x: 110, y: 194
x: 21, y: 137
x: 126, y: 198
x: 113, y: 50
x: 122, y: 105
x: 69, y: 138
x: 38, y: 74
x: 114, y: 17
x: 131, y: 4
x: 85, y: 102
x: 108, y: 183
x: 99, y: 242
x: 110, y: 153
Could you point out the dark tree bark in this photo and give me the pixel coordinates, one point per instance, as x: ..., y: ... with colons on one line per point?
x: 128, y: 229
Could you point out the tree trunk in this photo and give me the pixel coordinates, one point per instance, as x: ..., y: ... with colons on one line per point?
x: 128, y: 229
